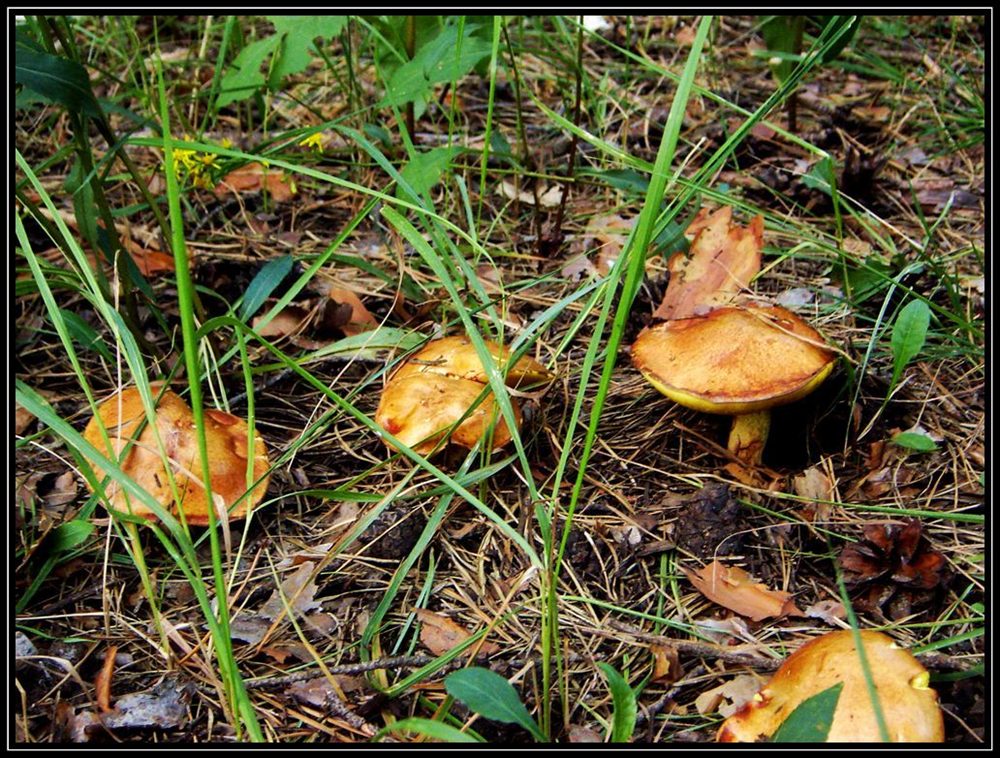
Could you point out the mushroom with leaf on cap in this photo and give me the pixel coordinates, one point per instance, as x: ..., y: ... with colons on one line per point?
x: 909, y: 706
x: 226, y: 438
x: 713, y: 353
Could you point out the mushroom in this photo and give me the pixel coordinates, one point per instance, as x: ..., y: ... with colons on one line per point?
x: 712, y: 353
x: 436, y: 387
x: 226, y: 441
x: 909, y: 705
x: 735, y: 361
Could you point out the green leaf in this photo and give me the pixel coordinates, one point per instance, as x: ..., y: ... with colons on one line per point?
x: 624, y: 179
x: 821, y: 176
x: 57, y: 79
x: 921, y: 443
x: 833, y: 24
x: 298, y: 34
x: 625, y: 709
x: 70, y: 535
x: 437, y: 60
x: 264, y: 283
x: 810, y: 722
x: 491, y: 696
x: 424, y: 171
x: 908, y: 335
x: 244, y: 76
x: 428, y: 728
x: 85, y: 334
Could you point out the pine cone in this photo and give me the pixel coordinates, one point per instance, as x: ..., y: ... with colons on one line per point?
x: 896, y: 569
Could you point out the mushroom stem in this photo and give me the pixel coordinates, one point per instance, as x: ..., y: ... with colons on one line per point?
x: 748, y: 436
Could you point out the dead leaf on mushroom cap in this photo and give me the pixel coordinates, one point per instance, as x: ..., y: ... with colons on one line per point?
x: 732, y: 588
x: 723, y: 258
x: 437, y: 386
x: 226, y: 440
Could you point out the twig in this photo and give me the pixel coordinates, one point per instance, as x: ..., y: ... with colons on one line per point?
x: 395, y: 662
x: 936, y: 661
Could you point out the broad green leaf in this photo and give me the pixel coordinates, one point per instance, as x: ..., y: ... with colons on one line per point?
x: 85, y: 334
x: 624, y: 179
x: 811, y: 721
x: 264, y: 283
x: 491, y: 696
x: 424, y: 171
x: 833, y: 24
x: 921, y: 443
x: 67, y: 536
x: 821, y: 176
x: 437, y: 60
x: 57, y: 79
x: 244, y: 76
x: 299, y: 33
x: 908, y: 335
x: 625, y: 709
x: 867, y: 281
x: 428, y: 728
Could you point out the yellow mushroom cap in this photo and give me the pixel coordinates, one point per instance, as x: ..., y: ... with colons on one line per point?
x: 910, y: 707
x: 419, y: 409
x: 438, y: 385
x: 226, y: 441
x: 457, y: 357
x: 734, y: 360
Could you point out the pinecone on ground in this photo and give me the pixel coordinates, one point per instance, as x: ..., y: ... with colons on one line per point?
x: 896, y: 569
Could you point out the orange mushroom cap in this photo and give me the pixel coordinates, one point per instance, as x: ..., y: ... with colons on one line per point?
x: 226, y: 442
x: 910, y: 707
x: 734, y: 360
x: 438, y: 385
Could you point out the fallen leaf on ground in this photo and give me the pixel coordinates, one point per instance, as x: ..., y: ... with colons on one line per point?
x: 439, y: 634
x: 359, y: 318
x: 666, y: 664
x: 730, y: 696
x: 813, y: 484
x: 732, y: 588
x: 830, y: 611
x: 23, y: 418
x: 148, y: 261
x: 163, y: 707
x: 608, y: 234
x: 255, y: 177
x: 102, y: 682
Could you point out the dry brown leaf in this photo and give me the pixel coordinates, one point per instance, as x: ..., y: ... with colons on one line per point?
x: 813, y: 484
x: 361, y: 319
x: 732, y: 588
x: 583, y: 734
x: 439, y: 634
x: 608, y: 233
x: 255, y: 177
x: 289, y: 320
x: 666, y: 664
x: 723, y: 258
x: 102, y: 682
x: 829, y: 611
x: 22, y: 419
x: 146, y: 260
x: 730, y: 696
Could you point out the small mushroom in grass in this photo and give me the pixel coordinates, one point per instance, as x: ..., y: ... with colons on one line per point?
x: 226, y: 442
x: 735, y: 361
x: 436, y: 387
x: 909, y: 705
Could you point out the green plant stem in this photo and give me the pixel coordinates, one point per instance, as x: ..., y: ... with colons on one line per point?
x: 556, y: 233
x: 410, y: 33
